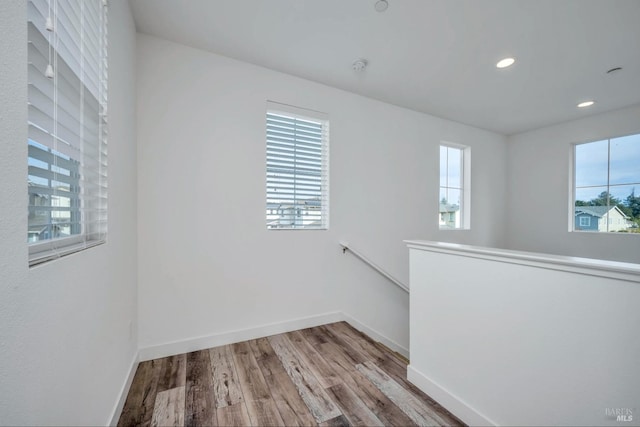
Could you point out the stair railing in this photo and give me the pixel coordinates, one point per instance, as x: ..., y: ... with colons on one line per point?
x: 398, y: 283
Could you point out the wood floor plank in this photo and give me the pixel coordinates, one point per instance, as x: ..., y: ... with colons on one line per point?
x: 373, y: 350
x: 344, y: 360
x: 399, y: 357
x: 199, y: 393
x: 314, y: 336
x: 173, y: 373
x: 293, y: 410
x: 383, y: 357
x: 352, y: 407
x: 340, y: 421
x: 169, y: 408
x: 400, y: 377
x: 316, y: 364
x: 233, y: 415
x: 390, y: 362
x: 260, y: 405
x: 141, y: 414
x: 359, y: 342
x: 149, y: 400
x: 131, y: 409
x: 410, y: 405
x: 345, y: 343
x: 319, y: 403
x: 226, y: 389
x: 393, y: 365
x: 377, y: 352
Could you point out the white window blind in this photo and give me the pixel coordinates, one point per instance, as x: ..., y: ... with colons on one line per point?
x: 297, y: 168
x: 67, y: 126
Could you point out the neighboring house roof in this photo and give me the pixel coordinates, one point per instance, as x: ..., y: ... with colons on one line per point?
x: 444, y: 207
x: 598, y: 211
x: 308, y: 202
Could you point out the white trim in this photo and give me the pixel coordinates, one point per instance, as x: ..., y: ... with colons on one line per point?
x: 298, y: 112
x: 587, y: 266
x: 586, y: 223
x: 124, y: 391
x: 209, y: 341
x: 448, y: 400
x: 48, y: 251
x: 571, y: 212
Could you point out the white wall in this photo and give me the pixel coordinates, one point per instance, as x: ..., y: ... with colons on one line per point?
x: 207, y: 264
x: 538, y: 189
x: 65, y: 344
x: 518, y: 342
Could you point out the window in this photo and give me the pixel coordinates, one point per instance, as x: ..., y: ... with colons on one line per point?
x: 297, y: 168
x: 606, y: 177
x: 67, y: 126
x: 454, y: 187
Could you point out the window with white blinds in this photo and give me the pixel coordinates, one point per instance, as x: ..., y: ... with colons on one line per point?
x: 67, y: 126
x: 297, y: 168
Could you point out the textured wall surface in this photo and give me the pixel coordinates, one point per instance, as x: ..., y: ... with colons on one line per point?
x: 67, y: 327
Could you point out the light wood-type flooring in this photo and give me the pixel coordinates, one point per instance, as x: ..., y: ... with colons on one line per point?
x: 331, y: 375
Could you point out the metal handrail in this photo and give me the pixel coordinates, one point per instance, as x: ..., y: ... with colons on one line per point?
x: 345, y: 248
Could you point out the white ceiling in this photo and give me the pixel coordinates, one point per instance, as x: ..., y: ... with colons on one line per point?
x: 434, y: 56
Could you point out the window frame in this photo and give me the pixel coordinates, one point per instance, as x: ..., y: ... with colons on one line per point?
x: 587, y: 223
x: 465, y: 189
x: 573, y: 187
x: 304, y: 114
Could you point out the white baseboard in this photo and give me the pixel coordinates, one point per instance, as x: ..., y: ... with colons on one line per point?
x: 448, y: 400
x: 376, y: 335
x: 124, y: 392
x: 200, y: 343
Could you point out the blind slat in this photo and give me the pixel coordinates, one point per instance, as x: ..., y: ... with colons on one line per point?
x: 67, y: 132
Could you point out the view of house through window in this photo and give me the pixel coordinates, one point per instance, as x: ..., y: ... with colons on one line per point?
x: 297, y: 168
x: 453, y: 209
x: 607, y: 185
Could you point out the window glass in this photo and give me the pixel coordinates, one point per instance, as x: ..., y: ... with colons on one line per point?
x: 607, y: 185
x: 453, y: 194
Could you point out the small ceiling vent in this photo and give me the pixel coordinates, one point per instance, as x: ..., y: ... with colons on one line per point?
x: 359, y: 65
x: 381, y: 5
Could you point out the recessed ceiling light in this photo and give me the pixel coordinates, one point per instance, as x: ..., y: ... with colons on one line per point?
x: 381, y: 5
x: 506, y: 62
x: 586, y: 104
